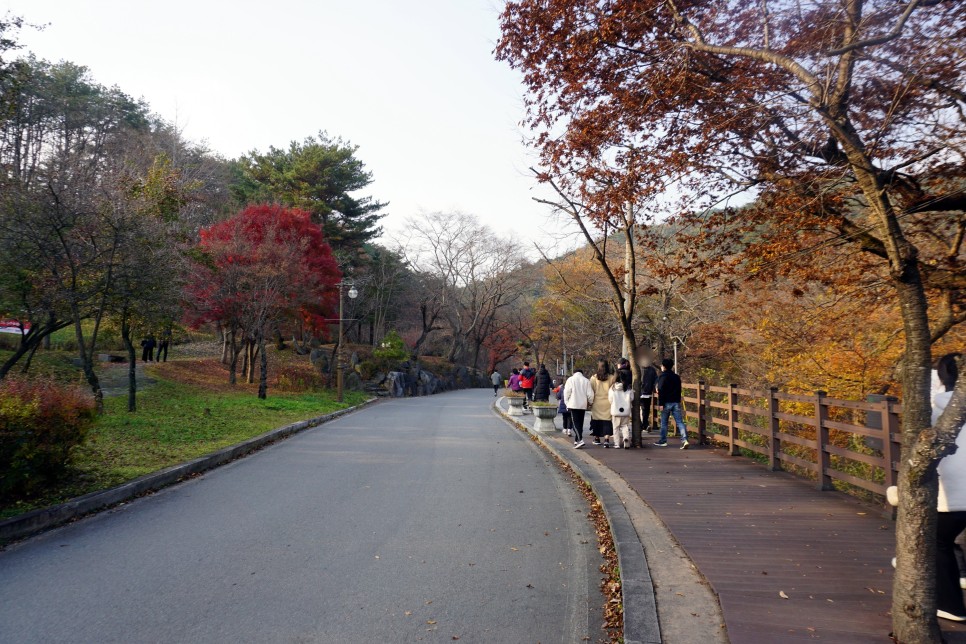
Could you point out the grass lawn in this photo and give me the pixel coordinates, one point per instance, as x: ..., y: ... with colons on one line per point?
x: 176, y: 421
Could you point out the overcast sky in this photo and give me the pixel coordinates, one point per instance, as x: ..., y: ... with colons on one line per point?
x: 414, y: 84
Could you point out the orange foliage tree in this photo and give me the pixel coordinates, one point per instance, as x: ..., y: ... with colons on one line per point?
x: 847, y: 119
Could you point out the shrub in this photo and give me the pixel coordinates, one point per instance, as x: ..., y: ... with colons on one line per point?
x: 40, y: 424
x: 298, y: 379
x: 391, y: 349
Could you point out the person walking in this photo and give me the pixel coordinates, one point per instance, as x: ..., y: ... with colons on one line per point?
x: 648, y: 383
x: 568, y: 423
x: 578, y: 397
x: 600, y: 420
x: 163, y: 345
x: 514, y: 382
x: 147, y: 348
x: 669, y: 402
x: 951, y: 505
x: 619, y: 396
x: 527, y: 378
x: 497, y: 379
x: 541, y: 389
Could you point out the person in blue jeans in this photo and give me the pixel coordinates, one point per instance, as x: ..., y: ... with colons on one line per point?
x: 669, y: 402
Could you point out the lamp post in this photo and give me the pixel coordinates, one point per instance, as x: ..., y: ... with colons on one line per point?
x: 340, y: 355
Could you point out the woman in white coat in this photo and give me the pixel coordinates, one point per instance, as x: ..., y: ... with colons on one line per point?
x: 951, y: 520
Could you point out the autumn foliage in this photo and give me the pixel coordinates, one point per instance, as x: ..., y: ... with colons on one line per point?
x: 40, y: 425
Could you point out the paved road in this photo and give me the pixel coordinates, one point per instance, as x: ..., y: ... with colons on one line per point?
x: 424, y: 519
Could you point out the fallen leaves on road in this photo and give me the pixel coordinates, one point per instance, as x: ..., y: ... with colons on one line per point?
x: 781, y: 593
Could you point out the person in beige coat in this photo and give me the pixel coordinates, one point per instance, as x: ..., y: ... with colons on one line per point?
x: 601, y: 426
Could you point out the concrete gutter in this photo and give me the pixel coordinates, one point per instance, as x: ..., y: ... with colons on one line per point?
x: 36, y: 521
x: 641, y: 623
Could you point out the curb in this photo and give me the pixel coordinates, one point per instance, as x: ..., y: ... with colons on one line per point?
x: 36, y: 521
x: 641, y: 625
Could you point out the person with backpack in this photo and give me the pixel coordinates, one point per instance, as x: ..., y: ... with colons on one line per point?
x: 578, y: 397
x: 619, y: 396
x: 669, y: 402
x: 527, y: 378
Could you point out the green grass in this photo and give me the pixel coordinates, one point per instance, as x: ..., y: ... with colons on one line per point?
x: 174, y: 423
x: 56, y: 365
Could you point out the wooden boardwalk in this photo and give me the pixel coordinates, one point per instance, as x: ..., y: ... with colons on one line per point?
x: 759, y: 537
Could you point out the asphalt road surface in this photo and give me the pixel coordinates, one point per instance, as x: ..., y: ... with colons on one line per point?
x: 415, y: 520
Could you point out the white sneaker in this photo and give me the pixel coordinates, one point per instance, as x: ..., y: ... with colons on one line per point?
x: 962, y: 582
x: 953, y: 618
x: 684, y: 444
x: 578, y: 444
x: 627, y: 444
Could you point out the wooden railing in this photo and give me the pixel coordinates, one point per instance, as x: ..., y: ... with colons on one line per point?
x: 821, y: 438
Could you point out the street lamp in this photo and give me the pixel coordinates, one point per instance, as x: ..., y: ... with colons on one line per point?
x: 340, y: 374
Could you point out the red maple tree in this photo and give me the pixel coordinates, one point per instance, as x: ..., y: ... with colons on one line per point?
x: 265, y: 266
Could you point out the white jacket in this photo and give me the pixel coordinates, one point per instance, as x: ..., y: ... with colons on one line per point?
x: 620, y: 400
x: 578, y: 394
x: 952, y: 468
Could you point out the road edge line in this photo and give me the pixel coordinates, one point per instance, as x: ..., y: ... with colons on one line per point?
x: 641, y: 625
x: 36, y: 521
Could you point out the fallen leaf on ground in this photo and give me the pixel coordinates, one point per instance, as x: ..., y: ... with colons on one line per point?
x: 781, y: 593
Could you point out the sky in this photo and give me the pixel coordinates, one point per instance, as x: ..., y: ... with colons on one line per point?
x: 413, y: 84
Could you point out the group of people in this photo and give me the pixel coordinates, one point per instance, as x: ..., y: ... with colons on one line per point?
x: 149, y: 343
x: 607, y: 395
x: 535, y: 384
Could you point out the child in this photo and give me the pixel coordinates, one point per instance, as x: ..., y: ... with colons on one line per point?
x: 568, y: 423
x: 619, y: 396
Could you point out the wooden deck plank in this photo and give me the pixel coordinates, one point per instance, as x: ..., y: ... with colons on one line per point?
x: 755, y: 533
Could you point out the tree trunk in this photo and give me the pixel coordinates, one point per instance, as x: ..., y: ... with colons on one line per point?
x: 30, y: 358
x: 914, y: 585
x: 87, y: 364
x: 226, y: 340
x: 233, y: 360
x: 132, y: 381
x: 253, y: 346
x: 263, y: 368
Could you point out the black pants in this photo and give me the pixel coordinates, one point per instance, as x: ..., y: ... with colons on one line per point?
x: 163, y: 347
x: 949, y: 596
x: 529, y: 394
x: 577, y: 416
x: 147, y: 355
x: 568, y: 422
x: 496, y: 388
x: 645, y: 413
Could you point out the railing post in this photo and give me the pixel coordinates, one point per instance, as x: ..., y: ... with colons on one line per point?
x: 732, y: 429
x: 702, y: 423
x: 890, y: 450
x: 821, y: 440
x: 774, y: 444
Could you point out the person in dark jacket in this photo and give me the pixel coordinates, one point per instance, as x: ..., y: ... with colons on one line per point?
x: 541, y: 390
x: 648, y: 383
x: 669, y: 402
x: 147, y: 348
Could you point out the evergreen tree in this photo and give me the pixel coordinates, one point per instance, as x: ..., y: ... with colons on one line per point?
x: 317, y: 175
